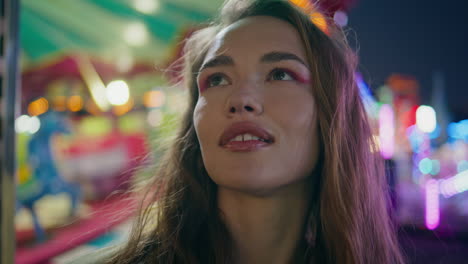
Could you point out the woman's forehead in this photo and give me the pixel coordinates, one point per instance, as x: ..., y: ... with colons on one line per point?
x: 257, y: 34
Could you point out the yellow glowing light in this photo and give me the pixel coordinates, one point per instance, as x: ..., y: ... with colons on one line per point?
x: 123, y: 109
x: 153, y: 99
x: 75, y: 103
x: 59, y: 103
x: 305, y: 4
x: 319, y: 20
x: 38, y: 107
x: 315, y: 16
x: 95, y: 85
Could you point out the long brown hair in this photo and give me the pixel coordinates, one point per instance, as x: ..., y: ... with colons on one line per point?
x: 349, y: 217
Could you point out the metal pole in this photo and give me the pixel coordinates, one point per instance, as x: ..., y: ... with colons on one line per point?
x: 9, y: 109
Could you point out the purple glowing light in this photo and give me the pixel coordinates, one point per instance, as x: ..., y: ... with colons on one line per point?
x: 432, y: 204
x: 386, y: 131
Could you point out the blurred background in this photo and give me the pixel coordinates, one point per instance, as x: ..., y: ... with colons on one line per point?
x: 99, y: 95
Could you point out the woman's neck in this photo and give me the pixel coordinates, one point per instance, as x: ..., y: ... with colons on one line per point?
x: 266, y: 229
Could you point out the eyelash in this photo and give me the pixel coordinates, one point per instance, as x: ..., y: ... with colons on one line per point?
x: 288, y: 72
x: 206, y: 83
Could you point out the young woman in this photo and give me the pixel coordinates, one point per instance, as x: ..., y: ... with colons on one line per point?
x: 273, y: 161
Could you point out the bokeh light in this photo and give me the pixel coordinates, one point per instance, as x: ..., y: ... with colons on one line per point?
x: 426, y: 118
x: 95, y: 126
x: 154, y: 99
x: 435, y: 167
x: 320, y: 21
x: 117, y: 92
x: 59, y: 103
x: 454, y: 185
x: 22, y: 124
x: 432, y: 204
x: 304, y: 4
x: 425, y: 166
x: 146, y: 6
x: 124, y: 108
x: 136, y: 34
x: 27, y: 124
x: 38, y: 107
x: 458, y: 130
x: 341, y: 18
x: 34, y: 124
x: 75, y: 103
x: 155, y: 117
x: 386, y: 131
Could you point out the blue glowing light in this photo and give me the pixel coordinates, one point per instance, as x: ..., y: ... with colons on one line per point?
x: 458, y: 130
x: 436, y: 133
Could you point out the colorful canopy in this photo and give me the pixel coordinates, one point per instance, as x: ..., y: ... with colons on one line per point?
x: 113, y: 29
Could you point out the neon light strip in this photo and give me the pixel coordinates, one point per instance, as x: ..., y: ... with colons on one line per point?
x: 386, y: 131
x: 432, y: 204
x: 454, y: 185
x: 95, y: 85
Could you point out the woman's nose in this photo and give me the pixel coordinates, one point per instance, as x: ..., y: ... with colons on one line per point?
x: 241, y: 103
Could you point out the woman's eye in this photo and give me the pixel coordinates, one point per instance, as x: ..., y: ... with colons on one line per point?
x: 216, y: 80
x: 281, y: 75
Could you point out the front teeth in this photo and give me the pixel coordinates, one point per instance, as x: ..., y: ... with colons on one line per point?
x: 245, y: 137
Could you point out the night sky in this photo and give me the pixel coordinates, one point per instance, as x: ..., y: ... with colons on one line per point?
x: 415, y: 37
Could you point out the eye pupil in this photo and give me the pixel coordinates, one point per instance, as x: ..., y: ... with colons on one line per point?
x: 279, y: 75
x: 216, y: 80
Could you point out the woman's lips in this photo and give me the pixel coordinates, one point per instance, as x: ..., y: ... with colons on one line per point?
x: 245, y: 146
x: 242, y: 128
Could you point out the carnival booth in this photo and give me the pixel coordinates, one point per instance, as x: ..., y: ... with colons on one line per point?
x: 99, y: 92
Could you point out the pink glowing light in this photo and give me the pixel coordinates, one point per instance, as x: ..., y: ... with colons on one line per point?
x: 432, y: 204
x: 386, y: 131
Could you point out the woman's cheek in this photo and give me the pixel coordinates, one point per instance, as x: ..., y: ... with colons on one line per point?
x: 291, y: 102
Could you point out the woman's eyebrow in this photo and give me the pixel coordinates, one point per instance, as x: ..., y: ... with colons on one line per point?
x: 221, y: 60
x: 276, y: 56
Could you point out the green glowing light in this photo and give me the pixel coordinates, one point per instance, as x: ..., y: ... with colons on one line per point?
x: 435, y: 167
x: 425, y: 165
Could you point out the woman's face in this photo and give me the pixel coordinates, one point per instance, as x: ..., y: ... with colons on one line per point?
x: 255, y: 116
